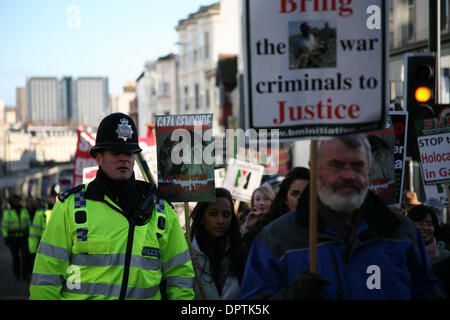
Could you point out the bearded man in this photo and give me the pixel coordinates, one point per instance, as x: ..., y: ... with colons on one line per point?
x: 364, y: 250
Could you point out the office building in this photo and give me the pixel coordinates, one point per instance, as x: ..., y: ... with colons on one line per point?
x: 44, y: 101
x: 90, y: 100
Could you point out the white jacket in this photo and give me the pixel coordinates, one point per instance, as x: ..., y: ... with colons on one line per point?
x: 230, y: 290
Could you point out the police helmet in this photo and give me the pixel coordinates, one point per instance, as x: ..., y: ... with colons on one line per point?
x: 118, y: 132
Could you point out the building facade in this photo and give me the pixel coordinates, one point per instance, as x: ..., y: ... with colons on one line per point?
x: 66, y: 101
x: 204, y: 36
x: 21, y: 103
x: 44, y: 101
x: 90, y: 101
x: 167, y: 89
x: 24, y: 148
x: 121, y: 102
x: 409, y: 32
x: 146, y: 101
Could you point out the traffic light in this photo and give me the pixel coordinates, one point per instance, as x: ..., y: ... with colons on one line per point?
x: 419, y: 94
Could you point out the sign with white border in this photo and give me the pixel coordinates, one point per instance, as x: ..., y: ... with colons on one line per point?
x: 433, y: 139
x: 316, y: 68
x: 242, y: 178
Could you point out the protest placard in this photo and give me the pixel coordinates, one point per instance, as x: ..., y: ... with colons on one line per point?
x: 89, y: 174
x: 242, y: 178
x: 219, y: 176
x: 388, y: 158
x: 300, y: 74
x: 382, y: 173
x: 185, y: 154
x: 436, y: 191
x: 400, y: 125
x: 433, y: 138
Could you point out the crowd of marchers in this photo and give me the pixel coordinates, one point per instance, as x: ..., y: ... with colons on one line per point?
x: 124, y: 236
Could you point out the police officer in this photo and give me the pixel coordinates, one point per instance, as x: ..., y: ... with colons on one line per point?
x: 114, y: 238
x: 15, y: 225
x: 40, y: 220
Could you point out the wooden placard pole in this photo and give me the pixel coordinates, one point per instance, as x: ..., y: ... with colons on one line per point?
x: 236, y: 206
x: 313, y: 209
x: 145, y: 170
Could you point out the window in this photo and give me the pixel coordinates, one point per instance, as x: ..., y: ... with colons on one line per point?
x: 206, y: 44
x: 207, y: 98
x: 444, y: 14
x: 186, y: 97
x: 411, y: 12
x: 197, y: 99
x: 164, y: 83
x: 185, y: 56
x: 195, y: 48
x: 191, y: 52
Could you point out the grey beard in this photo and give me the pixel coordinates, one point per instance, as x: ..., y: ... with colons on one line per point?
x: 340, y: 203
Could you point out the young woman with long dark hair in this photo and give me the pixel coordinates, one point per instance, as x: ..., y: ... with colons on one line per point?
x: 217, y: 251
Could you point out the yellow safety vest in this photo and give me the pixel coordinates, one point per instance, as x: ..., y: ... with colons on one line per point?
x: 90, y: 250
x: 15, y: 225
x: 36, y: 230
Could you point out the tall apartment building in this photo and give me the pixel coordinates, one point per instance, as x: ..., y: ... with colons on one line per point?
x: 44, y: 101
x: 90, y: 100
x: 53, y: 101
x: 21, y: 103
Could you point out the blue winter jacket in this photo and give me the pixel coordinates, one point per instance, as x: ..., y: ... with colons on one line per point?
x: 385, y: 260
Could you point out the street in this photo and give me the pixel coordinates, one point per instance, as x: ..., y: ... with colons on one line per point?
x: 10, y: 288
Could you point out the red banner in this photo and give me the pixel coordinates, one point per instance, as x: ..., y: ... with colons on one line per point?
x: 82, y: 157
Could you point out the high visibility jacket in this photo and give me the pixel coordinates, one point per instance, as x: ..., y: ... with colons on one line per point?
x: 91, y: 250
x: 15, y: 225
x: 37, y: 229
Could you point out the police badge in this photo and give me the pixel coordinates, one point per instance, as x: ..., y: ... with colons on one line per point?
x: 124, y: 130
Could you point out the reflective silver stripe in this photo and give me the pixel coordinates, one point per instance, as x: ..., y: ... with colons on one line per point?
x: 43, y: 279
x: 145, y: 263
x: 141, y: 293
x: 35, y: 236
x: 36, y: 226
x: 112, y: 290
x: 53, y: 251
x: 178, y: 260
x: 101, y: 260
x: 182, y: 282
x: 98, y: 260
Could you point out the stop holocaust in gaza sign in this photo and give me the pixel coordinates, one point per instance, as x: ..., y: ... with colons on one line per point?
x: 316, y: 67
x: 433, y: 138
